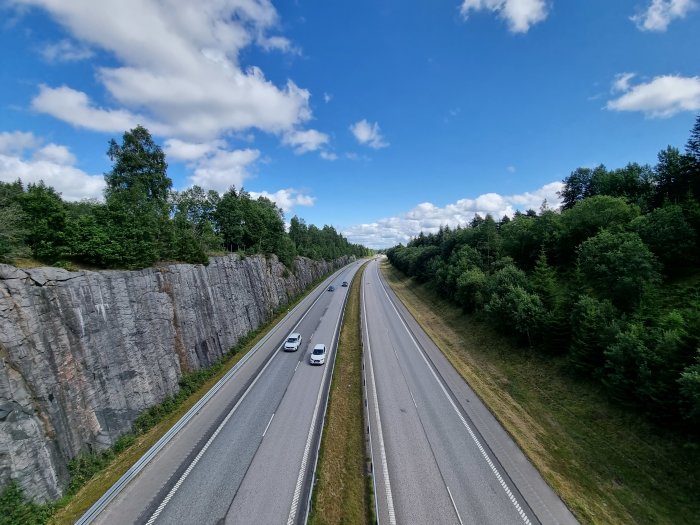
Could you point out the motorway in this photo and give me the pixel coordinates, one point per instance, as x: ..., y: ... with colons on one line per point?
x: 438, y: 454
x: 249, y: 454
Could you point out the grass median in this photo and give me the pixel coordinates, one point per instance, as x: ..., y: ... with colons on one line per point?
x: 343, y: 491
x: 607, y: 464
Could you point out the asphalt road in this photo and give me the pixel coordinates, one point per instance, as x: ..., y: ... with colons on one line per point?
x: 249, y: 454
x: 438, y: 454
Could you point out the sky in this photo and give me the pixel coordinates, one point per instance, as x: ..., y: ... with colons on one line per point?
x: 382, y: 118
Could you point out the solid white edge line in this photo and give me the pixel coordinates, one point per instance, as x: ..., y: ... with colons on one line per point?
x: 455, y: 506
x: 268, y: 424
x: 380, y: 434
x: 481, y: 448
x: 309, y: 437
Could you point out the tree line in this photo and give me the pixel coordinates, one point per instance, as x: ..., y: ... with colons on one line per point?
x: 143, y: 220
x: 610, y: 281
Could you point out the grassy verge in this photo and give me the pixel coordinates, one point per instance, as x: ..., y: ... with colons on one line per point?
x: 608, y: 465
x: 93, y: 474
x: 343, y: 489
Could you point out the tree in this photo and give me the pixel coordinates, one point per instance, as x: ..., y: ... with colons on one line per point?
x: 13, y: 223
x: 46, y: 219
x: 669, y: 236
x: 137, y: 200
x: 618, y: 266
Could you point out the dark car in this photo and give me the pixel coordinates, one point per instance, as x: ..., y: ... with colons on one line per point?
x: 331, y: 288
x: 345, y: 283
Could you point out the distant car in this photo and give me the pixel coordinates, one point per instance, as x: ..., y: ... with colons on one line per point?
x: 318, y: 355
x: 345, y: 284
x: 331, y: 288
x: 293, y: 342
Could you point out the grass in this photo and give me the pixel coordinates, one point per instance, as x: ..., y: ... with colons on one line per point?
x: 607, y: 464
x: 94, y: 474
x: 343, y: 492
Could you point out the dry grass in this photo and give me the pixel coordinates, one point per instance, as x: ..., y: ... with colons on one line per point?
x: 608, y: 465
x: 341, y: 494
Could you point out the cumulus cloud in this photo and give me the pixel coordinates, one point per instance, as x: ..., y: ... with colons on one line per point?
x: 661, y: 97
x: 286, y: 199
x: 520, y: 14
x: 223, y: 168
x: 305, y: 141
x: 660, y: 13
x: 23, y: 157
x: 622, y: 82
x: 190, y: 151
x: 428, y: 218
x: 65, y: 51
x: 177, y: 68
x: 368, y: 134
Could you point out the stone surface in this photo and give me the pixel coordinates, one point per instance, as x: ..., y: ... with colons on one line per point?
x: 83, y: 353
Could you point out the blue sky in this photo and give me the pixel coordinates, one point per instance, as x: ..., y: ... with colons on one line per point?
x: 381, y: 117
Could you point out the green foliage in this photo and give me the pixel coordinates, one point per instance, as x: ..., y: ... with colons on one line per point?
x: 669, y: 236
x: 143, y: 221
x: 618, y: 266
x: 601, y: 281
x: 15, y: 509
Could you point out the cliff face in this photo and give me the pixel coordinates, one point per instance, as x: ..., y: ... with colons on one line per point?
x: 83, y: 353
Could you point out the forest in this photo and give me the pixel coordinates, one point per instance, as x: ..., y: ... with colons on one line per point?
x: 142, y: 220
x: 609, y: 282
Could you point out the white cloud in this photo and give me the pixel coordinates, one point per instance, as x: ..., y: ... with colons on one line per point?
x: 75, y: 108
x: 661, y: 97
x: 305, y: 141
x: 328, y: 155
x: 660, y: 13
x: 520, y: 14
x: 15, y: 142
x: 222, y: 168
x: 510, y: 169
x: 286, y: 199
x: 178, y: 68
x: 327, y: 98
x: 190, y: 151
x: 368, y: 134
x: 427, y: 218
x: 622, y: 82
x: 21, y: 157
x: 65, y: 51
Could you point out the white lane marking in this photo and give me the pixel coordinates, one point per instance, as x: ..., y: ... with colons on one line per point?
x: 380, y: 435
x: 481, y: 448
x: 455, y: 506
x: 309, y: 438
x: 295, y: 368
x: 413, y: 398
x: 268, y: 424
x: 204, y: 449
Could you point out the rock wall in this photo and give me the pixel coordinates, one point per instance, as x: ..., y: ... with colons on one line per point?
x: 83, y: 353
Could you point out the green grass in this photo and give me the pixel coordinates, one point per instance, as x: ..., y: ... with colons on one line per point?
x: 343, y: 492
x: 608, y: 465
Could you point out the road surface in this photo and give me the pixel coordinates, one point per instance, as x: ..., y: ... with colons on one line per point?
x: 248, y: 456
x: 438, y: 455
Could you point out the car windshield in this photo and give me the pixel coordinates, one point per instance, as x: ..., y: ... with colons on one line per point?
x: 318, y: 351
x: 291, y: 340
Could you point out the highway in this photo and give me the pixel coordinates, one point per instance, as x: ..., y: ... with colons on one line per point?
x: 249, y: 454
x: 438, y: 454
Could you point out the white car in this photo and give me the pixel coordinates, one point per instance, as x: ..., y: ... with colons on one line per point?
x: 293, y: 342
x: 318, y: 355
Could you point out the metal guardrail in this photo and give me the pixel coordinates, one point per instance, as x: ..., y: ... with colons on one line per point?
x: 137, y: 467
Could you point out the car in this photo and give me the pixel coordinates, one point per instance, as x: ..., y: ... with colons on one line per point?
x: 318, y: 355
x: 293, y: 342
x: 345, y: 284
x: 331, y: 288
